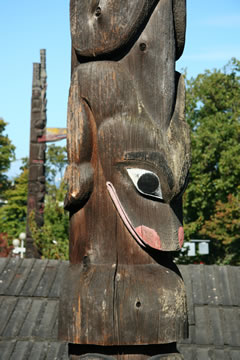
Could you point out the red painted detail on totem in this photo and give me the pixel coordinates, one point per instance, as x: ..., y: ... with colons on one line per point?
x: 180, y: 236
x: 149, y: 236
x: 51, y: 138
x: 38, y: 161
x: 31, y: 203
x: 123, y: 214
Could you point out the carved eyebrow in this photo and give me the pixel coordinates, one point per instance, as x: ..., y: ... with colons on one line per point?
x: 155, y: 158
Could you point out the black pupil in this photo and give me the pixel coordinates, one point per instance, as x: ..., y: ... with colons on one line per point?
x: 148, y: 183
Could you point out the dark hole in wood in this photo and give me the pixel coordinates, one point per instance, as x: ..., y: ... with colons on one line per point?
x: 151, y: 350
x: 148, y: 183
x: 86, y: 261
x: 138, y: 304
x: 98, y: 11
x: 143, y: 46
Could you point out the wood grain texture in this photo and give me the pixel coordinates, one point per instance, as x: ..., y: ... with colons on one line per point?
x: 125, y: 111
x: 123, y: 304
x: 110, y: 25
x: 107, y: 25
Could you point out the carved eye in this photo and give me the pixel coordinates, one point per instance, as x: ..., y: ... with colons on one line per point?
x: 146, y: 182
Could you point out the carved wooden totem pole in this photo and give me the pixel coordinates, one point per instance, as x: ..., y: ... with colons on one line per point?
x: 129, y: 156
x: 36, y: 183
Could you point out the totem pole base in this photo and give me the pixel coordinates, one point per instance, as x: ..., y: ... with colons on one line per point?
x: 123, y: 311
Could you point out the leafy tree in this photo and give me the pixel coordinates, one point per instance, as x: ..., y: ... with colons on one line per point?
x: 224, y: 229
x: 52, y: 238
x: 13, y: 214
x: 56, y: 161
x: 5, y: 249
x: 213, y: 113
x: 6, y: 156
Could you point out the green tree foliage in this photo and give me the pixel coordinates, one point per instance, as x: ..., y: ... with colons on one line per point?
x: 13, y: 214
x: 52, y: 238
x: 224, y: 228
x: 5, y: 249
x: 56, y: 161
x: 213, y: 113
x: 6, y: 156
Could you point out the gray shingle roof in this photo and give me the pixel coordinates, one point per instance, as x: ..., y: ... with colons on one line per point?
x: 29, y: 296
x: 213, y: 294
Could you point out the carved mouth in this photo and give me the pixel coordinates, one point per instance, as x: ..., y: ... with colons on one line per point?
x: 145, y: 236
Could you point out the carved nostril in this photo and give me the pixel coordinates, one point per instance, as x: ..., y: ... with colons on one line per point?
x: 142, y: 46
x: 98, y: 11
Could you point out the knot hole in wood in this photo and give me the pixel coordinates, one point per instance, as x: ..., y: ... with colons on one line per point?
x: 98, y: 11
x: 142, y: 46
x: 138, y: 304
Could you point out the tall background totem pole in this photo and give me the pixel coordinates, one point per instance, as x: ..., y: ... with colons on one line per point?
x: 36, y: 180
x: 39, y: 136
x: 129, y: 156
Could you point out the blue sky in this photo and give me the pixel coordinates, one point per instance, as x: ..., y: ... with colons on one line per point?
x: 26, y: 26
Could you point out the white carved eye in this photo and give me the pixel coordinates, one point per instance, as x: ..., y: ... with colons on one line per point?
x: 146, y: 182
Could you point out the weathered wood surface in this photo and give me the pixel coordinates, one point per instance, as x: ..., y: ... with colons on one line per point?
x: 126, y: 114
x: 36, y: 178
x: 102, y: 27
x: 123, y: 304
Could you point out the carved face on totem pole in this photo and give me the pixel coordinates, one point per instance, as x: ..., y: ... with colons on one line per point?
x: 128, y: 142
